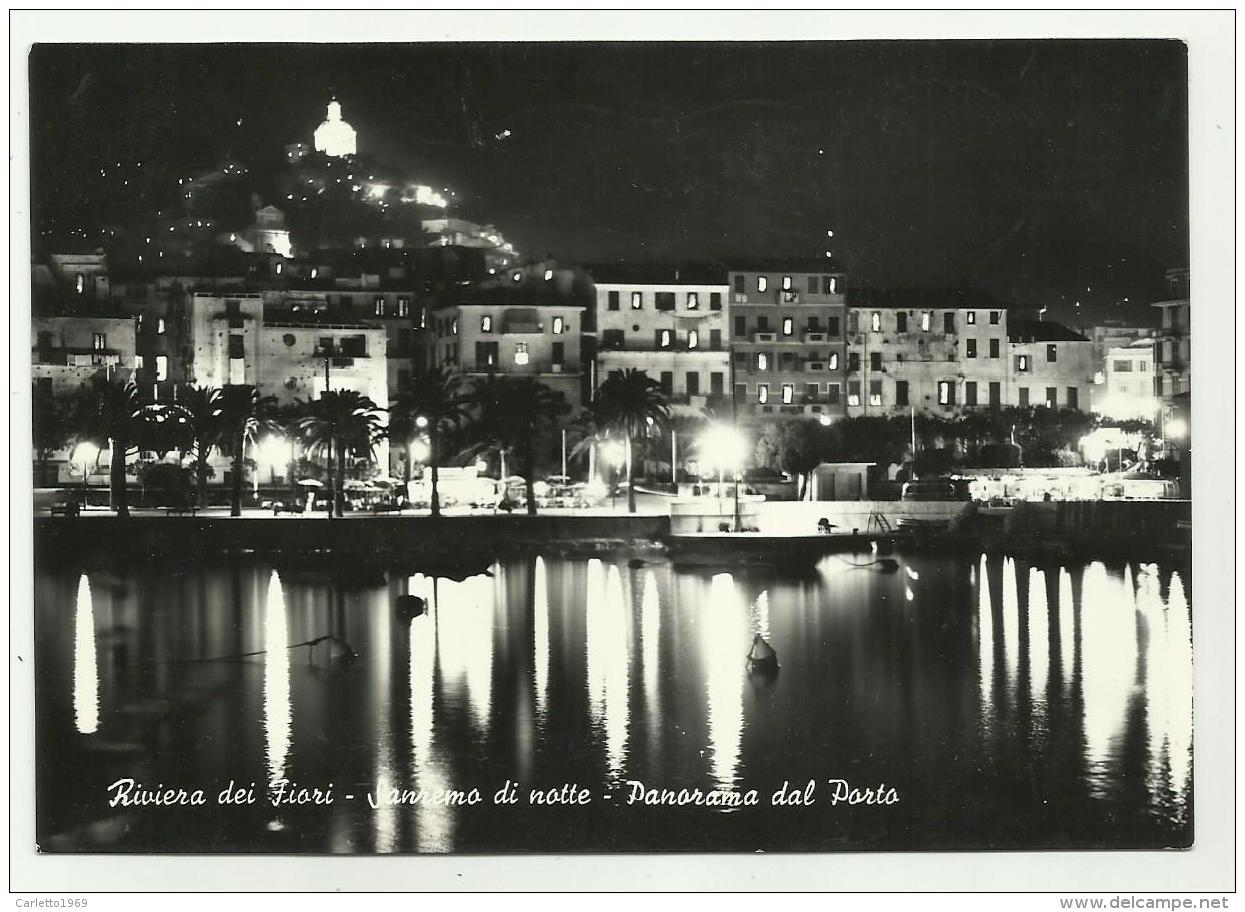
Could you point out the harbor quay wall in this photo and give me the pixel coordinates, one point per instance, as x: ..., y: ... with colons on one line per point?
x: 801, y: 517
x: 365, y: 537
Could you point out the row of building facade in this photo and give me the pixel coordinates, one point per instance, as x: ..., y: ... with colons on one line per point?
x: 752, y: 340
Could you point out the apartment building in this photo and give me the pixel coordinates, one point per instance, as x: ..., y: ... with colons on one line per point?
x: 1174, y: 342
x: 787, y: 346
x: 527, y: 323
x: 672, y: 322
x: 1050, y: 365
x: 937, y: 351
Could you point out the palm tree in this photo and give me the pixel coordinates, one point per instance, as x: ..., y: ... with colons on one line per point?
x: 109, y: 415
x: 203, y: 410
x: 245, y: 416
x: 628, y: 402
x: 513, y: 413
x: 341, y: 422
x: 436, y: 397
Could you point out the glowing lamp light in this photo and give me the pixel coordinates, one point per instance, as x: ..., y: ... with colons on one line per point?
x: 421, y: 422
x: 86, y: 454
x: 481, y: 466
x: 824, y: 420
x: 1176, y: 429
x: 420, y: 450
x: 723, y: 447
x: 275, y: 452
x: 614, y: 453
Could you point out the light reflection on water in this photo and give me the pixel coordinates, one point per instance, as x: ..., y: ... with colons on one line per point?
x: 1062, y: 692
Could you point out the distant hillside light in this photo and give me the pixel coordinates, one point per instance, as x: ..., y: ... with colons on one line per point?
x: 548, y: 275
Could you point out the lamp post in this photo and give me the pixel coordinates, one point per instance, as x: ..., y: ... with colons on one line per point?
x: 724, y: 445
x: 326, y: 352
x: 84, y: 456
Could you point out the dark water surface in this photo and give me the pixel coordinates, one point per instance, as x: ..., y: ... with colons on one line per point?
x: 1038, y: 707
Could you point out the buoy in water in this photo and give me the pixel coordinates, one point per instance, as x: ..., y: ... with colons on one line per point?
x: 762, y: 657
x: 409, y: 605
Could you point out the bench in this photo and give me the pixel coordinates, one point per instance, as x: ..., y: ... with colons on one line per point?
x: 183, y: 510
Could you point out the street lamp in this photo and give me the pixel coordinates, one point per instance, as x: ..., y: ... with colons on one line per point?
x: 615, y: 454
x: 84, y: 455
x: 273, y: 451
x: 724, y: 447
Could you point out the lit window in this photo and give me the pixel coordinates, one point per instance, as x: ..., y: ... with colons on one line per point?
x: 788, y: 326
x: 875, y: 322
x: 761, y: 283
x: 665, y: 338
x: 693, y: 301
x: 762, y: 361
x: 486, y: 324
x: 99, y: 341
x: 971, y: 318
x: 548, y: 275
x: 81, y: 283
x: 925, y: 321
x: 454, y: 327
x: 853, y: 394
x: 314, y: 272
x: 1022, y: 362
x: 637, y: 300
x: 833, y: 285
x: 788, y: 393
x: 786, y: 283
x: 138, y: 362
x: 762, y: 393
x: 834, y: 361
x: 162, y: 368
x: 139, y: 322
x: 559, y: 326
x: 520, y: 353
x: 693, y: 338
x: 160, y: 325
x: 944, y: 392
x: 280, y: 268
x: 404, y: 306
x: 423, y: 319
x: 380, y: 307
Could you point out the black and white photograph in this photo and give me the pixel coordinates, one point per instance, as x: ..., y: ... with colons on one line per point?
x: 477, y: 447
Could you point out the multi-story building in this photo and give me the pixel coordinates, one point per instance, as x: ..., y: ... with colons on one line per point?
x: 77, y: 332
x: 787, y: 321
x: 527, y: 323
x: 928, y: 350
x: 1173, y: 344
x: 1050, y: 365
x: 672, y: 322
x: 285, y: 349
x: 68, y: 351
x: 1128, y: 387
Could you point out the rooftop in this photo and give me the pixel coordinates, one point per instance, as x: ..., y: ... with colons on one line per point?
x: 923, y: 298
x: 779, y: 265
x: 658, y: 273
x: 1041, y: 331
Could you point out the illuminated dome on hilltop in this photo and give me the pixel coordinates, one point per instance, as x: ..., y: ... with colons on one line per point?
x: 335, y: 137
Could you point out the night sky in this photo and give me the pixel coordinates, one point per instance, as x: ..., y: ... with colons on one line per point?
x: 1046, y: 172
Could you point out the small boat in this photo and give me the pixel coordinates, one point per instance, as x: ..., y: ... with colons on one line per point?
x: 409, y: 605
x: 762, y: 657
